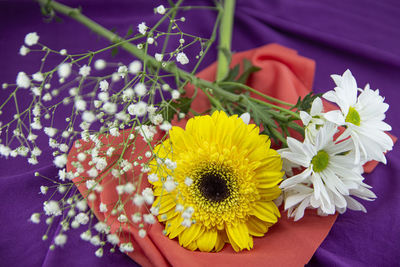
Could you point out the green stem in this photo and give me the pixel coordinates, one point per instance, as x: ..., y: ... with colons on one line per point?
x: 248, y: 88
x: 294, y: 114
x: 225, y: 39
x: 170, y: 67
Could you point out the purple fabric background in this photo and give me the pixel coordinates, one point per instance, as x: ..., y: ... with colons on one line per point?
x: 361, y: 35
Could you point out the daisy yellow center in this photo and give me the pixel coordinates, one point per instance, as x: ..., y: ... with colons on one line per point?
x: 353, y: 116
x: 226, y: 175
x: 320, y: 161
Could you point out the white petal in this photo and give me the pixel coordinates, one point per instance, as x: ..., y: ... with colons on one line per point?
x: 335, y: 116
x: 305, y: 117
x: 245, y: 117
x: 316, y: 107
x: 294, y: 180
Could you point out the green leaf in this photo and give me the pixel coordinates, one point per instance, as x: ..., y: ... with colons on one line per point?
x: 305, y: 103
x: 114, y: 51
x: 260, y: 114
x: 232, y: 74
x: 129, y: 32
x: 248, y: 69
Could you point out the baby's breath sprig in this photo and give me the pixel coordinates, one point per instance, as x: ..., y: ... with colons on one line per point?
x: 97, y: 101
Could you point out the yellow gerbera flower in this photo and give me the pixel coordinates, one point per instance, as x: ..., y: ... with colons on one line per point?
x: 215, y: 183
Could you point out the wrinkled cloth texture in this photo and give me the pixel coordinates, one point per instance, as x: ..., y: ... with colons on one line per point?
x: 363, y: 36
x: 283, y: 74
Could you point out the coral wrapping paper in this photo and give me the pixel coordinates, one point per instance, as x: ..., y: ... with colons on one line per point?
x: 283, y: 74
x: 363, y: 36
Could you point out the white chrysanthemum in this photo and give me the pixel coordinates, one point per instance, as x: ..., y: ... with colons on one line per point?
x: 110, y: 107
x: 314, y: 120
x: 175, y: 94
x: 165, y: 126
x: 150, y: 40
x: 140, y: 89
x: 104, y: 85
x: 38, y: 76
x: 31, y: 39
x: 23, y: 51
x: 23, y: 80
x: 60, y: 240
x: 35, y: 218
x: 88, y: 116
x: 126, y: 247
x: 182, y: 58
x: 135, y: 67
x: 84, y: 70
x: 149, y: 218
x: 100, y: 64
x: 64, y: 70
x: 139, y: 109
x: 142, y: 28
x: 158, y: 57
x: 80, y: 104
x: 363, y: 117
x: 81, y: 205
x: 60, y: 161
x: 102, y: 227
x: 103, y: 207
x: 147, y: 132
x: 113, y: 239
x: 160, y: 10
x: 138, y: 200
x: 52, y: 208
x: 128, y: 93
x: 50, y: 131
x: 329, y: 168
x: 122, y: 71
x: 156, y: 119
x: 148, y: 195
x: 82, y: 218
x: 103, y: 96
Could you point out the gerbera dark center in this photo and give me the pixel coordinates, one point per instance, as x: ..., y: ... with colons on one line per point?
x: 213, y: 187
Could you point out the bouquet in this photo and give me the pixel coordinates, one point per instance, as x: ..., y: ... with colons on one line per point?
x: 164, y: 157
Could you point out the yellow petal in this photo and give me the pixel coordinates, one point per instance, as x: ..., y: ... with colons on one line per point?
x: 207, y: 241
x: 268, y: 194
x: 167, y: 202
x: 266, y: 211
x: 192, y: 246
x: 189, y: 234
x: 238, y: 235
x: 167, y: 216
x: 257, y: 227
x: 219, y: 244
x: 174, y: 227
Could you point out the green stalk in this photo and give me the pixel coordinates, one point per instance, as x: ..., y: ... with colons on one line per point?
x: 267, y: 97
x: 294, y: 114
x: 75, y: 14
x: 225, y: 39
x: 171, y: 67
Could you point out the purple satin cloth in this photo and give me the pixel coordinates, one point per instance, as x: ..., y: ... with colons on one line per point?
x: 361, y: 35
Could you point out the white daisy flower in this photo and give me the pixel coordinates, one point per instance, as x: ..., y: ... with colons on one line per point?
x: 314, y: 120
x: 329, y: 168
x: 363, y: 117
